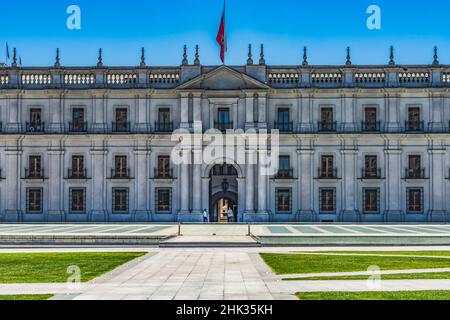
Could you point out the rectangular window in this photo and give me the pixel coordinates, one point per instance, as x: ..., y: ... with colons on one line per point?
x: 283, y: 121
x: 284, y: 200
x: 414, y: 166
x: 163, y: 166
x: 77, y: 200
x: 370, y: 167
x: 35, y: 116
x: 164, y: 123
x: 414, y: 123
x: 34, y: 200
x: 78, y: 167
x: 35, y: 168
x: 164, y: 200
x: 371, y: 200
x: 121, y: 124
x: 78, y: 120
x: 35, y: 124
x: 327, y: 119
x: 327, y: 167
x: 284, y: 167
x: 120, y: 200
x: 223, y: 119
x: 328, y: 200
x: 121, y: 169
x: 370, y: 115
x: 414, y: 200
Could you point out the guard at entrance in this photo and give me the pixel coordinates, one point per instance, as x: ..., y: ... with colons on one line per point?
x: 230, y: 215
x: 205, y: 216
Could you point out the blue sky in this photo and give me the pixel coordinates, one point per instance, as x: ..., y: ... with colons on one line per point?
x: 327, y: 27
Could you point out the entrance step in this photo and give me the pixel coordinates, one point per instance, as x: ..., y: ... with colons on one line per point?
x: 210, y: 241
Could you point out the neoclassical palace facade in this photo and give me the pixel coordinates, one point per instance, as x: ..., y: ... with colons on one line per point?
x: 94, y: 144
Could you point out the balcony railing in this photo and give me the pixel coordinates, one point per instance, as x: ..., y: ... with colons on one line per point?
x: 327, y: 174
x: 284, y: 127
x: 285, y: 174
x: 411, y: 174
x: 75, y: 127
x: 163, y: 174
x: 77, y: 174
x: 120, y: 174
x: 164, y: 127
x: 414, y: 126
x: 34, y: 127
x: 371, y: 174
x: 223, y: 125
x: 121, y: 127
x: 371, y: 126
x: 34, y: 174
x: 325, y: 126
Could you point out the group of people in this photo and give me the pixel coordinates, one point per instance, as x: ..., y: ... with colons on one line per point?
x: 229, y: 213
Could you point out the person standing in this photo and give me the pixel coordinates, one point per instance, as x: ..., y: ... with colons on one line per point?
x: 230, y: 215
x: 205, y: 216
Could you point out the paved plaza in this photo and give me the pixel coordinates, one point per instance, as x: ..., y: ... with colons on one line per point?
x: 213, y: 273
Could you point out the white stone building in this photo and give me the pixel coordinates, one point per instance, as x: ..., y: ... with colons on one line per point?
x: 357, y: 143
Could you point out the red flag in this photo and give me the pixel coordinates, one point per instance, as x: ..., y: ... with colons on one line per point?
x: 222, y: 37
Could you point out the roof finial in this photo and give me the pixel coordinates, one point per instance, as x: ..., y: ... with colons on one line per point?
x: 305, y: 57
x: 349, y: 59
x: 262, y: 60
x: 185, y: 57
x: 14, y: 64
x: 436, y: 59
x: 57, y: 59
x: 250, y: 59
x: 142, y: 57
x: 197, y: 56
x: 392, y: 60
x: 100, y: 58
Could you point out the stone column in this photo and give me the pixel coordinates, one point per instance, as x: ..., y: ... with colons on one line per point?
x: 141, y: 175
x: 99, y: 123
x: 305, y: 116
x: 250, y: 183
x: 393, y: 113
x: 197, y: 112
x: 12, y: 107
x: 184, y: 182
x: 205, y: 193
x: 262, y: 183
x: 394, y: 212
x: 349, y: 186
x: 262, y: 110
x: 305, y: 159
x: 197, y: 182
x: 184, y: 111
x: 57, y: 123
x: 241, y: 198
x: 437, y: 211
x: 249, y: 111
x: 55, y: 191
x: 12, y: 177
x: 98, y: 196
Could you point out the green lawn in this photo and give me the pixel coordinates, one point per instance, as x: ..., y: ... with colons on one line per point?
x: 26, y: 297
x: 52, y: 267
x: 404, y: 295
x: 406, y: 276
x: 402, y: 253
x: 317, y: 263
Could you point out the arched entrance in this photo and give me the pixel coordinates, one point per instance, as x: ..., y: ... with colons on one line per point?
x: 223, y: 193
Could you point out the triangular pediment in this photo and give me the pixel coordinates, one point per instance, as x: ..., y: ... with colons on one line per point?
x: 223, y: 78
